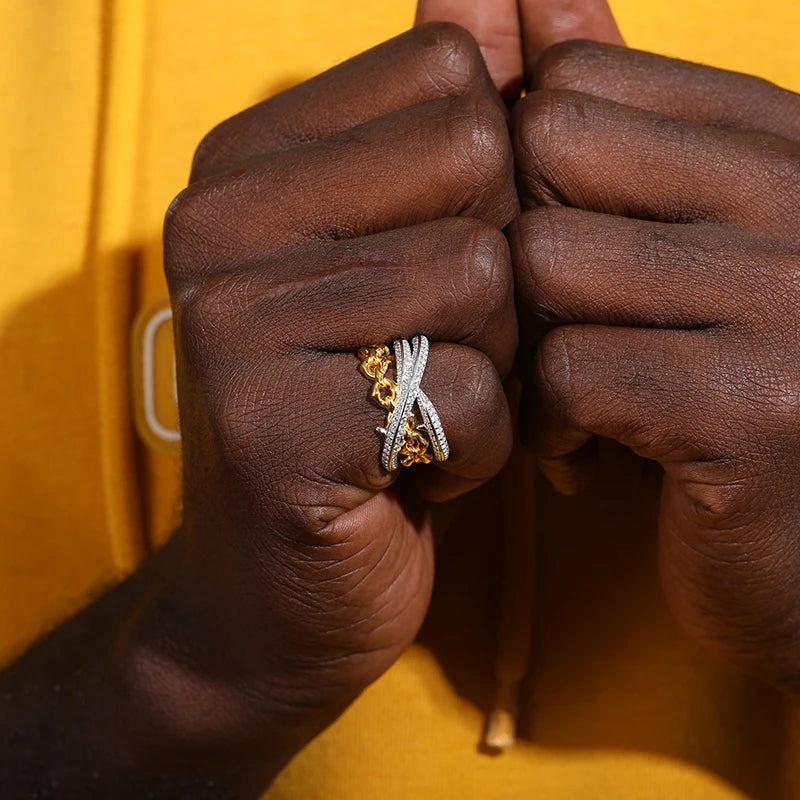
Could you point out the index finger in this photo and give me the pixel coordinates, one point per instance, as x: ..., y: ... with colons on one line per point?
x: 548, y: 22
x: 495, y: 26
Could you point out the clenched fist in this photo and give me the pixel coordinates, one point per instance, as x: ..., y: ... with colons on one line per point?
x: 363, y: 206
x: 658, y: 289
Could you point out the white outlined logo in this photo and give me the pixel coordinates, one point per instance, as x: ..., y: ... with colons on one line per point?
x: 155, y: 400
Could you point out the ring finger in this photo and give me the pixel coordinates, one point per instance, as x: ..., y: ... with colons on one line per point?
x: 325, y: 427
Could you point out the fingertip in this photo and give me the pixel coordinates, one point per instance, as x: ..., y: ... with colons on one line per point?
x: 548, y: 22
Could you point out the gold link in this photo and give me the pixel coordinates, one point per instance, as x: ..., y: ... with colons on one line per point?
x: 376, y: 361
x: 384, y: 392
x: 416, y: 446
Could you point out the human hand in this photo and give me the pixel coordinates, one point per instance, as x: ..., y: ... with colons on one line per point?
x: 656, y: 266
x: 360, y: 207
x: 512, y: 34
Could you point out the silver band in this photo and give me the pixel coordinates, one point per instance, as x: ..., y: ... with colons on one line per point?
x: 410, y: 361
x: 433, y: 425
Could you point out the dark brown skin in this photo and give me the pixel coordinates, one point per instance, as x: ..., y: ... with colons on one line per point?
x: 657, y: 281
x: 656, y: 293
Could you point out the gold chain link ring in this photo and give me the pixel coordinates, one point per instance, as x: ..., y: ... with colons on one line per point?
x: 376, y: 361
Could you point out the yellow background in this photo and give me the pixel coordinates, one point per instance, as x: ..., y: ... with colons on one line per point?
x: 104, y: 104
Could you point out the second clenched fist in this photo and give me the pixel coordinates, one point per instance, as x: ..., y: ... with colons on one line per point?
x: 657, y: 283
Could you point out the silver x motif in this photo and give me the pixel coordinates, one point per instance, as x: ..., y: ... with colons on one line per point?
x: 410, y: 361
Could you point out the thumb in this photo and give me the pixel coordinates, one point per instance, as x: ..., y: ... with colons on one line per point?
x: 495, y: 26
x: 547, y: 22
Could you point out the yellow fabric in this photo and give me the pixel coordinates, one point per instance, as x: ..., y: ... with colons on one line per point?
x: 105, y: 102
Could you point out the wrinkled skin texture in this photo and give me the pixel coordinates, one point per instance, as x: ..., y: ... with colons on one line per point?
x: 657, y: 281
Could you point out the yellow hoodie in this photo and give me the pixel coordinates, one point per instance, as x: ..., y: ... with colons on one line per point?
x: 104, y: 103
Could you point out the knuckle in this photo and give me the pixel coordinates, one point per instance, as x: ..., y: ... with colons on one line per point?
x: 490, y: 269
x: 200, y: 317
x: 565, y: 65
x: 783, y: 169
x: 762, y: 87
x: 484, y: 263
x: 189, y: 216
x: 539, y: 268
x: 175, y: 223
x: 477, y: 138
x: 215, y: 320
x: 557, y: 367
x: 478, y: 403
x: 216, y: 146
x: 480, y: 391
x: 449, y: 55
x: 541, y: 136
x: 777, y: 400
x: 240, y: 405
x: 208, y: 305
x: 781, y: 102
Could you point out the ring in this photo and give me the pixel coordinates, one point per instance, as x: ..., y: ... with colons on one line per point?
x: 413, y: 432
